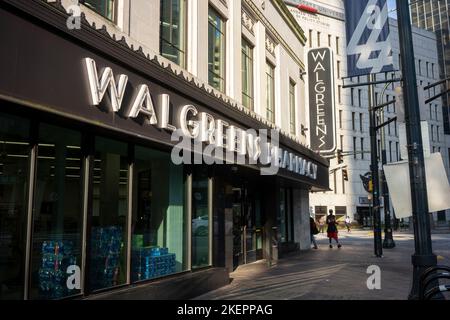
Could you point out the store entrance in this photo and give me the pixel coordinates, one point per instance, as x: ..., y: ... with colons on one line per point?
x: 247, y: 243
x: 364, y: 216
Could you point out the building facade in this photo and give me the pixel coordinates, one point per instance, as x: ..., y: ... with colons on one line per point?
x: 433, y: 16
x: 102, y: 102
x: 324, y: 24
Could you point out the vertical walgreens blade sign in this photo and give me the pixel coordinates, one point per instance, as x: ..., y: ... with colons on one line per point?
x: 321, y: 100
x: 369, y: 48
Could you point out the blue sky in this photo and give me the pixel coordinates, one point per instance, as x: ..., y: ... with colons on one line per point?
x: 391, y: 6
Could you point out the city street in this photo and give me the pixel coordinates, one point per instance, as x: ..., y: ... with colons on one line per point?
x: 331, y: 274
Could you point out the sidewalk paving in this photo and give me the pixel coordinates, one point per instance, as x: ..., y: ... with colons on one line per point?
x: 331, y: 274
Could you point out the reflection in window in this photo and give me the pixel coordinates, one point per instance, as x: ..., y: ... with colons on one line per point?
x: 247, y: 75
x: 216, y: 50
x: 14, y: 159
x: 57, y: 217
x: 159, y: 223
x: 106, y: 8
x: 200, y: 219
x: 173, y: 31
x: 109, y: 216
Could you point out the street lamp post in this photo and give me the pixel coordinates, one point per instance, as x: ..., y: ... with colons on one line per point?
x: 423, y: 257
x: 388, y: 242
x: 378, y: 246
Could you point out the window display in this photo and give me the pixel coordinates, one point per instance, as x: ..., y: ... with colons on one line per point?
x: 109, y: 216
x: 14, y: 162
x: 159, y: 223
x: 57, y: 217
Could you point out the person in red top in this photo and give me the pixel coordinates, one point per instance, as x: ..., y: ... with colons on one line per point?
x: 332, y: 230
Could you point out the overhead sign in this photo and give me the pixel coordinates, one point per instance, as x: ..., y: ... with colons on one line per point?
x: 321, y: 100
x: 369, y: 48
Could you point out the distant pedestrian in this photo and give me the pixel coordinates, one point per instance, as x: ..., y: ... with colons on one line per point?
x: 322, y: 225
x: 332, y: 230
x: 314, y: 231
x: 348, y: 223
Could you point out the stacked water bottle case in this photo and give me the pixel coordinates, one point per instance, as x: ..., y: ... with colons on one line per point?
x: 152, y: 262
x: 105, y: 256
x: 57, y: 256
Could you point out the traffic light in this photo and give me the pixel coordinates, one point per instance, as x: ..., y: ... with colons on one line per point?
x: 345, y: 174
x: 370, y: 186
x: 340, y: 157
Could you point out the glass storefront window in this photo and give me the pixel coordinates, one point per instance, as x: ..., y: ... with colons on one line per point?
x: 159, y: 241
x: 14, y: 162
x: 200, y: 219
x: 106, y: 8
x: 57, y: 214
x: 109, y: 215
x: 282, y: 216
x: 173, y: 31
x: 216, y: 50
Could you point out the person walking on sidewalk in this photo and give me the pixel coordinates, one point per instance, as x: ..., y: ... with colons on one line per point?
x: 322, y: 224
x: 348, y: 223
x: 314, y: 231
x: 332, y: 230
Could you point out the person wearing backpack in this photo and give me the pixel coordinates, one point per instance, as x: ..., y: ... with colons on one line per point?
x: 314, y: 231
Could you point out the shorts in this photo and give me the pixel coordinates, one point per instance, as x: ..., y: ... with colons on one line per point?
x: 333, y: 235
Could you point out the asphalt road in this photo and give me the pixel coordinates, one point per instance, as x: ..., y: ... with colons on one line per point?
x: 332, y: 274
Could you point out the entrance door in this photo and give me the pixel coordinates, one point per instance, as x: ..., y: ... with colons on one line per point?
x: 244, y: 228
x: 364, y: 216
x: 441, y: 217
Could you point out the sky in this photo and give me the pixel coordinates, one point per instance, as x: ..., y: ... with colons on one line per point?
x: 391, y: 6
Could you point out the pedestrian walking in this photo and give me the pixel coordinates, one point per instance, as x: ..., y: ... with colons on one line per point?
x: 332, y: 230
x: 322, y: 224
x: 348, y: 223
x: 314, y: 231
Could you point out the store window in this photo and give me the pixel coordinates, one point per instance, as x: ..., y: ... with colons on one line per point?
x: 14, y: 163
x: 247, y: 74
x: 57, y: 213
x: 107, y: 256
x: 106, y: 8
x: 200, y: 218
x: 159, y: 222
x: 285, y: 218
x: 270, y: 91
x: 282, y: 223
x: 173, y: 31
x: 216, y: 50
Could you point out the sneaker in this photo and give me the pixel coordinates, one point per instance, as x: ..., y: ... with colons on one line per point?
x: 331, y: 247
x: 316, y: 248
x: 339, y: 246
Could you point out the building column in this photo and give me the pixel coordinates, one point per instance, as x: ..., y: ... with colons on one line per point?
x: 301, y: 218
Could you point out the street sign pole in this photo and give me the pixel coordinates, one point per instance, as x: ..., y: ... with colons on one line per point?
x: 378, y: 245
x: 423, y: 257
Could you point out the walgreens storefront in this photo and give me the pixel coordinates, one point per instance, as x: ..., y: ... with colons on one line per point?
x: 92, y: 202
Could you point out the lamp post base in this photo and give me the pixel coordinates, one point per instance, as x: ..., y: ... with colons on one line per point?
x: 388, y: 242
x: 420, y: 264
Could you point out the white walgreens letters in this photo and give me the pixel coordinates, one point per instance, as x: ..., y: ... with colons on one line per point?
x: 193, y: 124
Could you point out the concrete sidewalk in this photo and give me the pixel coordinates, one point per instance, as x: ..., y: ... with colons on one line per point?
x: 331, y: 274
